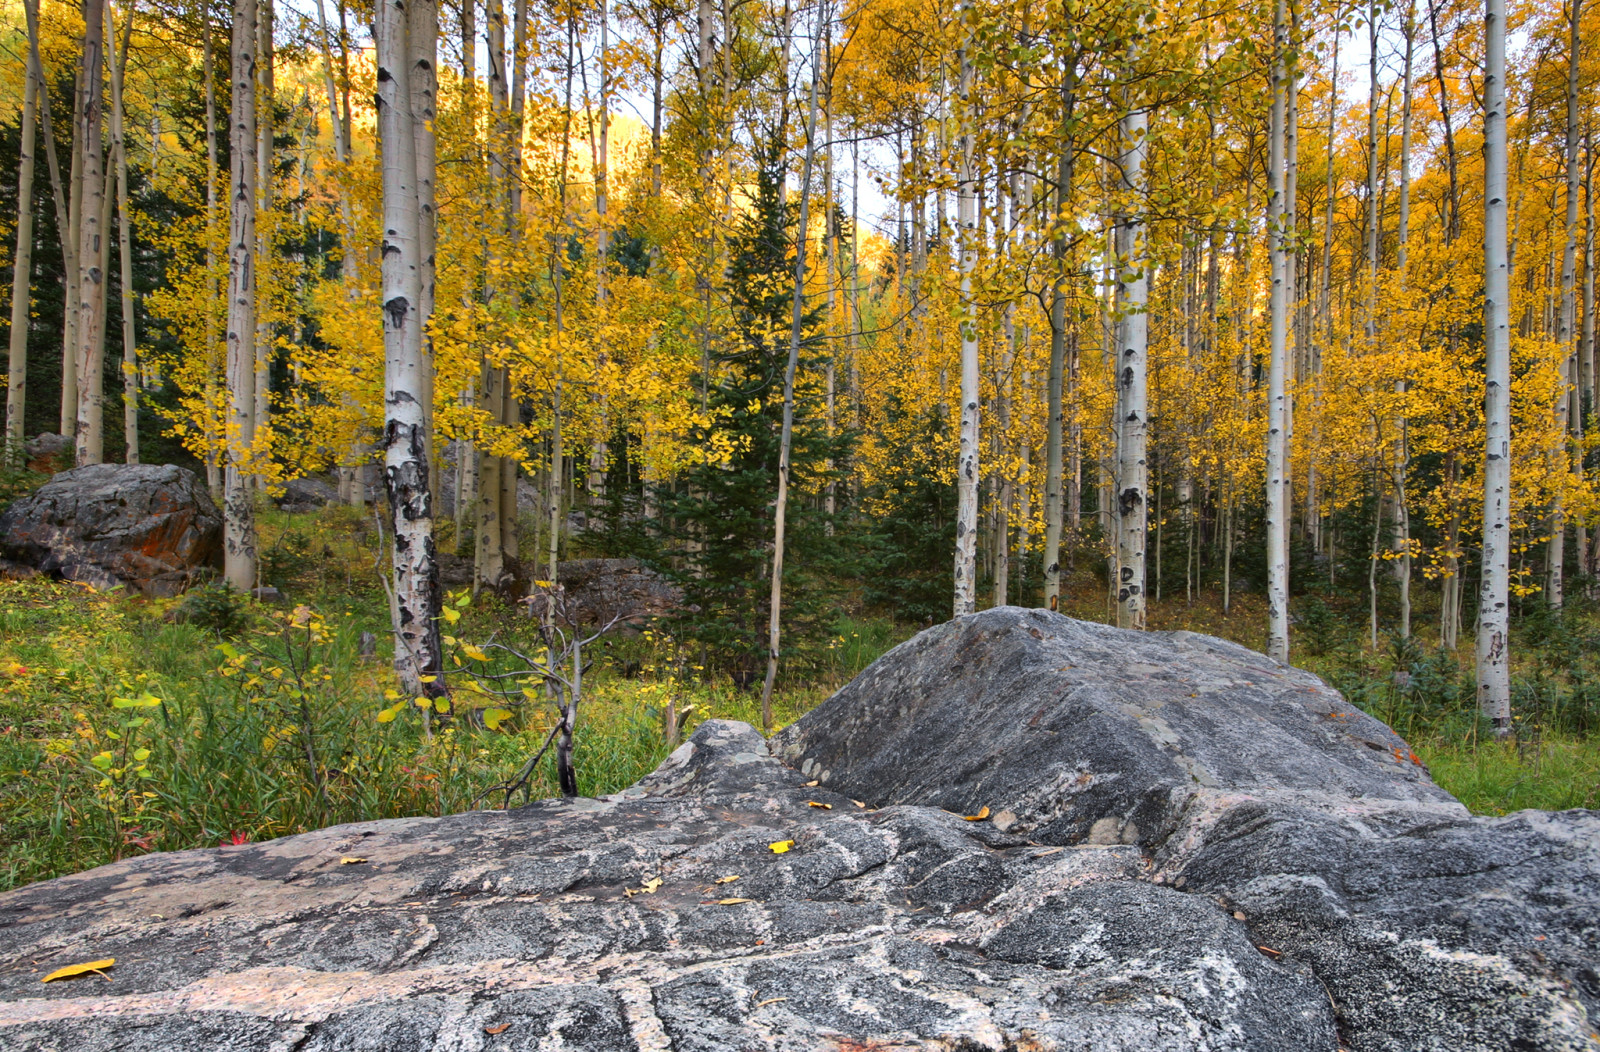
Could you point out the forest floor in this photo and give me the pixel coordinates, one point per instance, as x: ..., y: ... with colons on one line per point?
x: 127, y: 727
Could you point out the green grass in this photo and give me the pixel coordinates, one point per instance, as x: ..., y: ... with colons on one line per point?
x: 122, y: 732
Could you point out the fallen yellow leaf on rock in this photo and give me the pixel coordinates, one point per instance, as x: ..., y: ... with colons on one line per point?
x: 650, y: 885
x: 726, y: 880
x: 732, y: 902
x: 813, y: 803
x: 351, y: 861
x: 72, y: 971
x: 502, y: 1028
x: 781, y: 846
x: 980, y: 816
x: 810, y: 784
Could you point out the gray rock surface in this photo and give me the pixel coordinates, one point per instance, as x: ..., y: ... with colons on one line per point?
x: 594, y: 591
x: 1364, y: 912
x: 46, y: 446
x: 307, y: 494
x: 151, y: 527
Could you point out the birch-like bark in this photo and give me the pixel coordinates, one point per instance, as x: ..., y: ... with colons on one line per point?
x: 1566, y: 319
x: 1277, y: 397
x: 73, y: 263
x: 91, y: 288
x: 1054, y: 505
x: 119, y: 152
x: 1132, y: 421
x: 423, y: 40
x: 602, y: 235
x: 266, y: 258
x: 786, y: 436
x: 22, y: 270
x: 967, y: 467
x: 239, y: 531
x: 1493, y: 635
x: 1402, y: 464
x: 215, y: 448
x: 415, y: 602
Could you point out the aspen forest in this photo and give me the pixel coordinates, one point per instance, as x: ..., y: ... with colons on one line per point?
x: 834, y: 319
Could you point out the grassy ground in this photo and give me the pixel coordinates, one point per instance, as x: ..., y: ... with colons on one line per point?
x: 123, y: 732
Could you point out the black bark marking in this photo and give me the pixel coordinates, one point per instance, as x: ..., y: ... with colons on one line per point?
x: 1128, y: 500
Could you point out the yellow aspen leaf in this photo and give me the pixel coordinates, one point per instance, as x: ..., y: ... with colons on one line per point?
x: 650, y: 885
x: 72, y: 971
x: 351, y: 861
x: 732, y: 902
x: 780, y: 846
x: 475, y: 653
x: 811, y: 784
x: 814, y: 803
x: 983, y: 812
x: 726, y: 880
x: 502, y: 1028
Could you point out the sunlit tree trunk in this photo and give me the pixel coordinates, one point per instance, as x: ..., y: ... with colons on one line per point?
x: 119, y: 151
x: 415, y: 595
x: 239, y: 530
x: 1566, y: 317
x: 1054, y: 511
x: 1278, y: 510
x: 1132, y: 422
x: 266, y: 259
x: 1493, y: 658
x: 216, y: 454
x: 785, y: 439
x: 22, y: 270
x: 602, y: 240
x: 73, y: 266
x: 91, y: 287
x: 966, y: 585
x: 423, y: 33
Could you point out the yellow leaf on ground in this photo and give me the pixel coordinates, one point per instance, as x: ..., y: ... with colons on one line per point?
x: 726, y: 880
x: 811, y: 784
x: 732, y: 902
x: 813, y: 803
x: 983, y: 813
x: 351, y: 861
x: 72, y: 971
x: 649, y: 887
x: 779, y: 847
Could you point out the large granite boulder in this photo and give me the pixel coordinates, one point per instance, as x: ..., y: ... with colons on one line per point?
x: 151, y: 527
x: 1358, y: 908
x: 596, y: 591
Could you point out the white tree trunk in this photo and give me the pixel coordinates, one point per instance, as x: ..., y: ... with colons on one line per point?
x: 1567, y: 314
x: 1277, y: 396
x: 405, y: 447
x: 22, y: 271
x: 785, y: 440
x: 91, y: 288
x: 423, y: 40
x: 266, y: 258
x: 119, y: 151
x: 1493, y: 642
x: 1132, y: 422
x: 239, y: 531
x: 967, y: 467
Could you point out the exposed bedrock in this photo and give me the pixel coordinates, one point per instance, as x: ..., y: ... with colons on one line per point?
x: 1186, y: 848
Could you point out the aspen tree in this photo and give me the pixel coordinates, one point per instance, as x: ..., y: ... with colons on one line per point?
x: 1278, y: 471
x: 966, y: 585
x: 1493, y: 631
x: 1054, y: 414
x: 214, y: 465
x: 1402, y: 460
x: 91, y: 286
x: 238, y: 516
x: 422, y: 17
x: 119, y: 152
x: 1132, y: 332
x: 266, y: 259
x: 22, y: 269
x: 415, y: 596
x: 786, y: 435
x: 1566, y: 317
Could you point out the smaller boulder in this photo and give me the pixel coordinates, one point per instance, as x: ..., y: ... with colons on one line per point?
x: 151, y: 527
x: 46, y: 445
x: 306, y: 495
x: 594, y: 591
